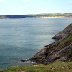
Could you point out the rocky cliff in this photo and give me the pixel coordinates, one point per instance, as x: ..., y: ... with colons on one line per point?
x: 60, y: 50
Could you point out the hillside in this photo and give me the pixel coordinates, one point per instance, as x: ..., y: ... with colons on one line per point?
x: 60, y: 50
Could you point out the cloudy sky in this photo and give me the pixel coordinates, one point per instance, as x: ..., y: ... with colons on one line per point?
x: 20, y: 7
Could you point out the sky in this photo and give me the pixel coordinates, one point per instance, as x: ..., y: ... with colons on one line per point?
x: 22, y: 7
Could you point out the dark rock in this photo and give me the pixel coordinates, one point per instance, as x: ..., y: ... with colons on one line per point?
x: 57, y: 37
x: 64, y: 33
x: 24, y: 60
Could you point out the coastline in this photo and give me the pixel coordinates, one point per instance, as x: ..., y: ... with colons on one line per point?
x: 53, y: 17
x: 60, y: 61
x: 60, y: 50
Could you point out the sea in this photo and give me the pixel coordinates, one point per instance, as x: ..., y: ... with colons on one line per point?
x: 22, y: 38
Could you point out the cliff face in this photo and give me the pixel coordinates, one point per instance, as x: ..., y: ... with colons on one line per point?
x: 60, y: 50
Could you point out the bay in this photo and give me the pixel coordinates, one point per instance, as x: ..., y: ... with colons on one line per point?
x: 23, y: 37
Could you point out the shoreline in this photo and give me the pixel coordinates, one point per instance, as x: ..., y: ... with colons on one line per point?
x: 60, y: 50
x: 54, y: 17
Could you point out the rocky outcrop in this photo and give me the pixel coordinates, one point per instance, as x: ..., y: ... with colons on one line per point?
x: 60, y: 50
x: 64, y: 33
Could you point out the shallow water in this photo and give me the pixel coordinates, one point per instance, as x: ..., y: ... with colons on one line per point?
x: 22, y: 38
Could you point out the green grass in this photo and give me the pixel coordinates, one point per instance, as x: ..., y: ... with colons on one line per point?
x: 53, y: 67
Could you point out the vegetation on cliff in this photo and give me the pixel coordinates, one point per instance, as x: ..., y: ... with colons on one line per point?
x: 53, y: 67
x: 60, y: 50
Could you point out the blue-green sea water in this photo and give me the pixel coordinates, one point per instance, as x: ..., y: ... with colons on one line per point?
x: 21, y: 38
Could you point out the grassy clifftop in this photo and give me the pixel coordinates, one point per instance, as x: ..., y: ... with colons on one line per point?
x: 53, y: 67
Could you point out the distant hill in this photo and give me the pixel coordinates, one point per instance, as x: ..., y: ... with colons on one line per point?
x: 15, y: 16
x: 38, y: 15
x: 18, y: 16
x: 56, y: 14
